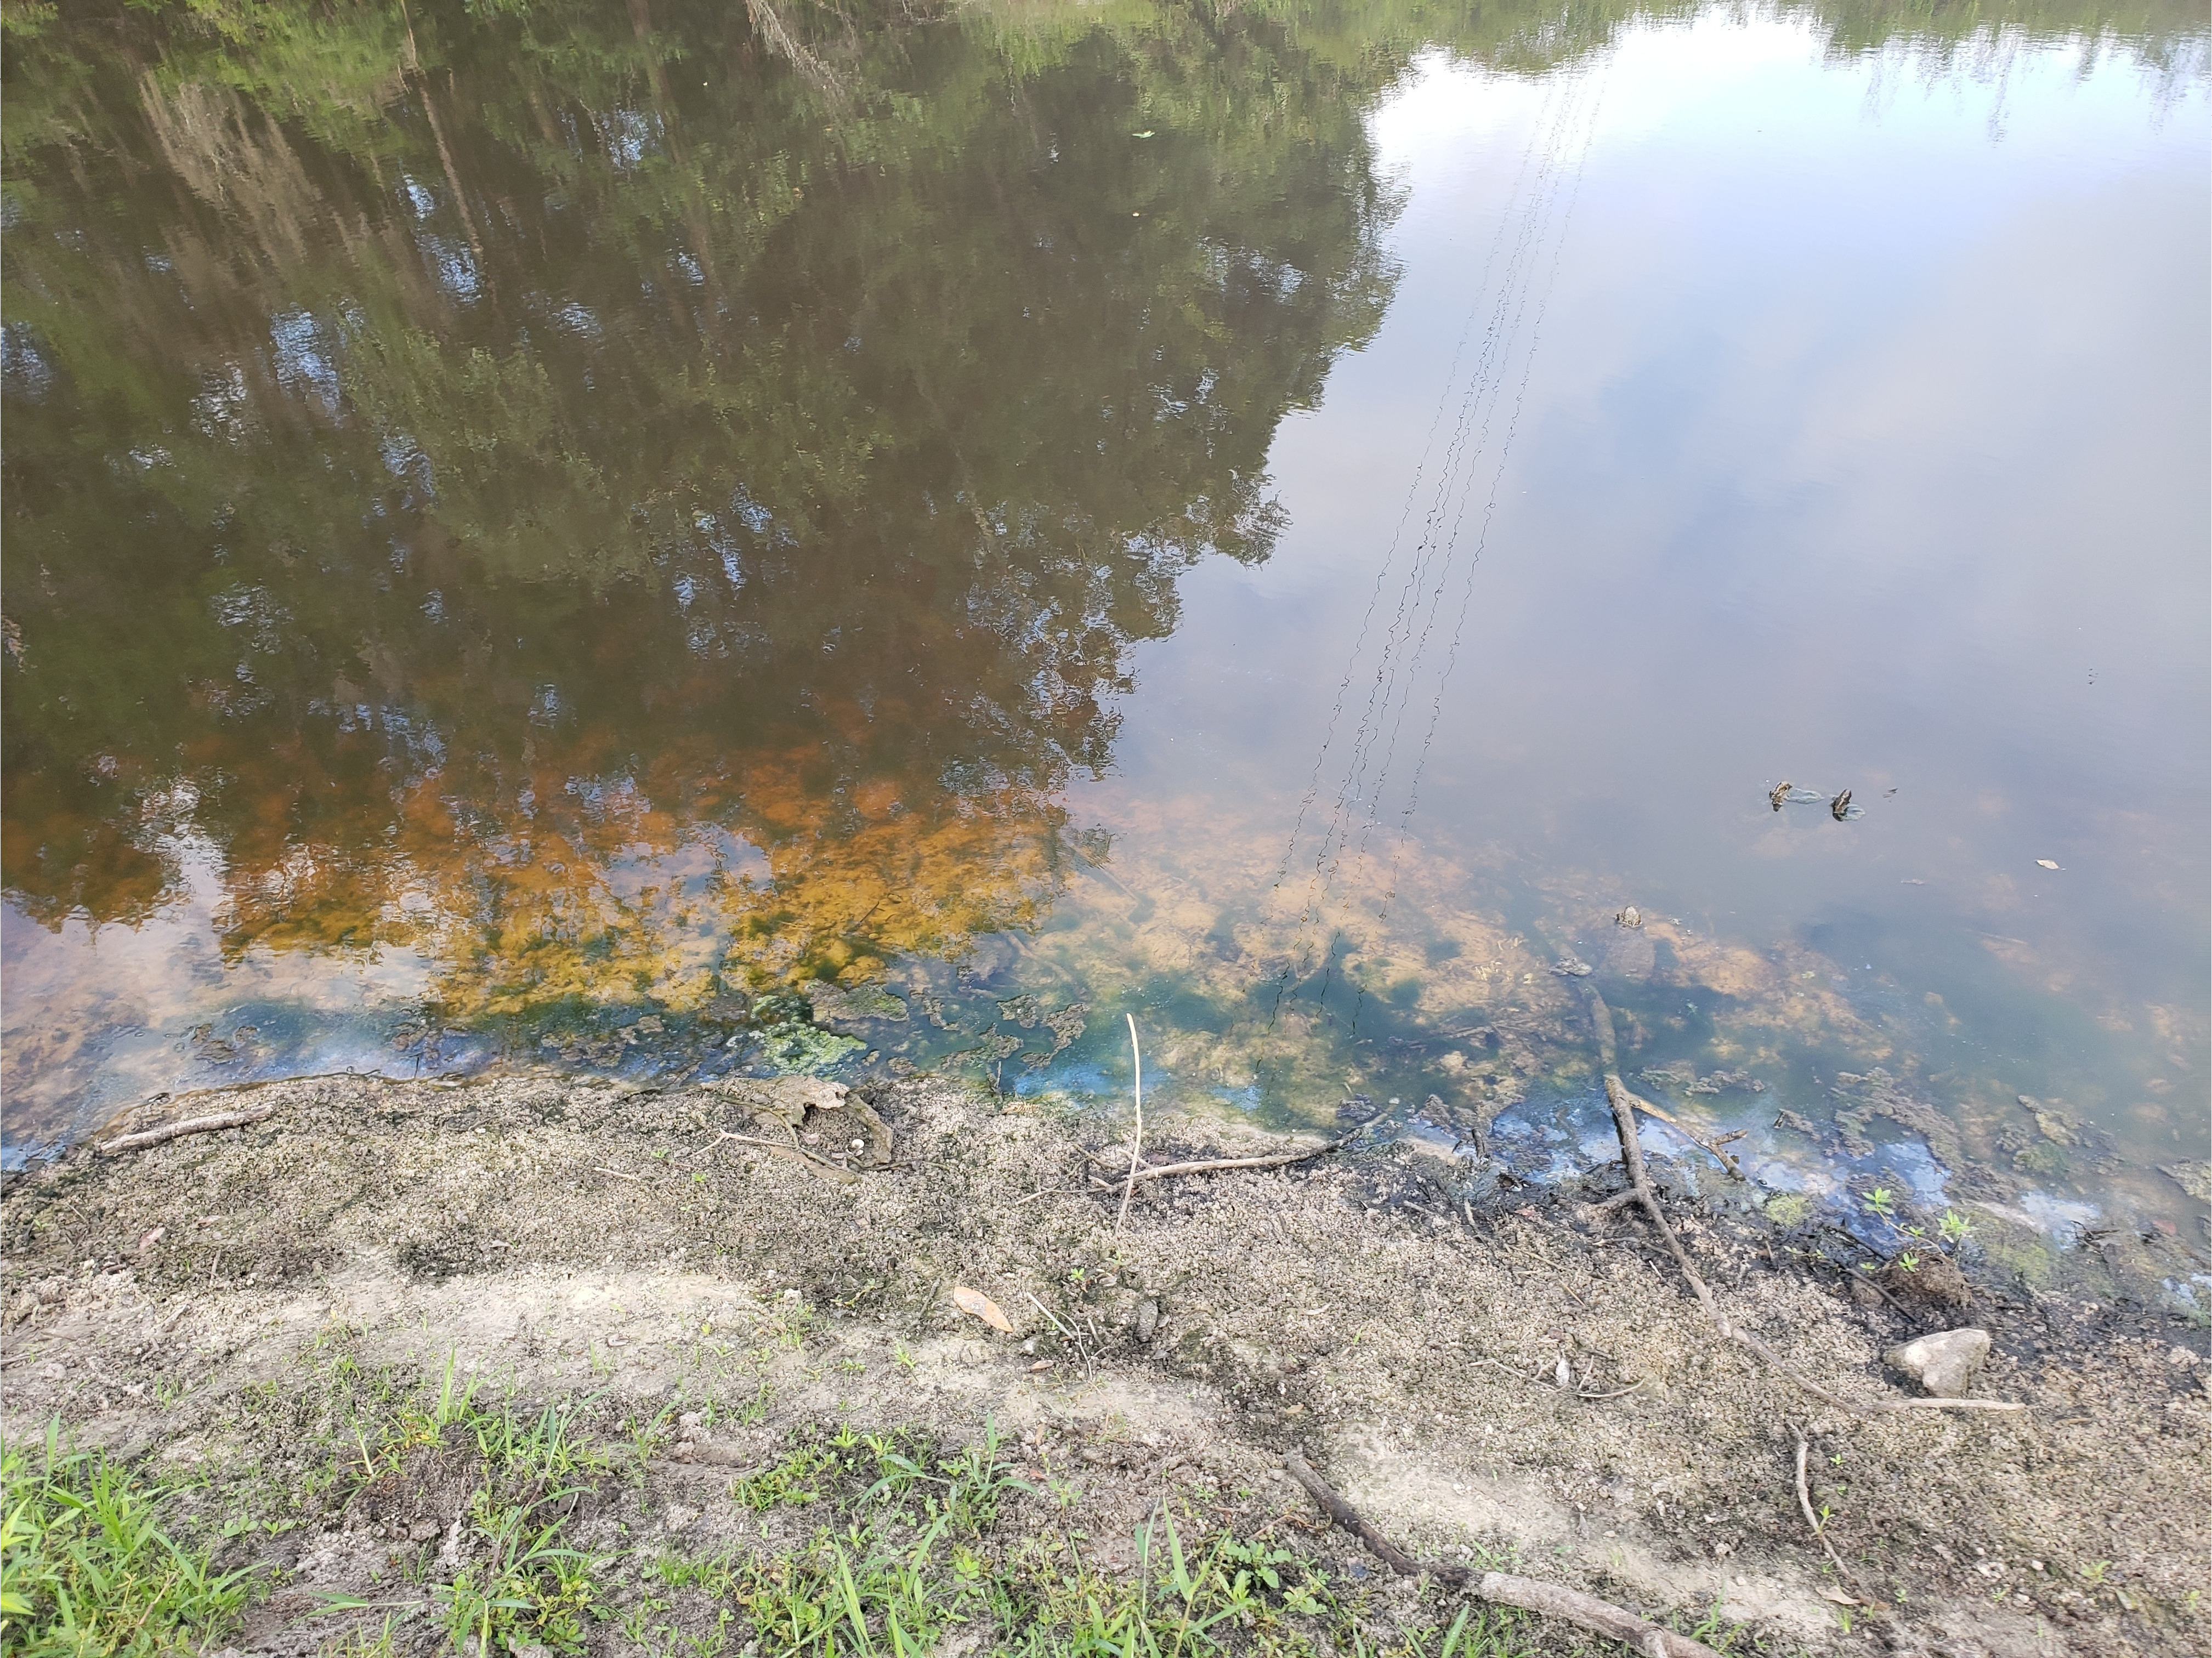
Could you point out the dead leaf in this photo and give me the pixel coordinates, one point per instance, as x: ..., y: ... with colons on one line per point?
x: 2044, y: 863
x: 1041, y: 1364
x: 1831, y: 1592
x: 978, y: 1305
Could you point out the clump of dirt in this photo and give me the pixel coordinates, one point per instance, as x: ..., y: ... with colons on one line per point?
x: 1928, y: 1278
x: 1528, y: 1382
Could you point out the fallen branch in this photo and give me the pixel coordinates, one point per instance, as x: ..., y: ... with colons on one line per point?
x: 1647, y: 1196
x: 1503, y: 1588
x: 139, y: 1142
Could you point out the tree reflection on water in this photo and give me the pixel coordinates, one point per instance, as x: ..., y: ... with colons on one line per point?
x: 452, y: 467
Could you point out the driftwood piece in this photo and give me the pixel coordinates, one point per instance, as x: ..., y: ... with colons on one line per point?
x: 167, y: 1132
x: 1646, y: 1196
x: 1504, y: 1588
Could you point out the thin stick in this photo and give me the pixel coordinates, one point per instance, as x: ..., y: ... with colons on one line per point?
x: 1212, y: 1165
x: 1073, y: 1340
x: 1647, y: 1196
x: 138, y: 1142
x: 1709, y: 1147
x: 814, y: 1166
x: 1137, y: 1140
x: 1805, y: 1502
x: 1503, y: 1589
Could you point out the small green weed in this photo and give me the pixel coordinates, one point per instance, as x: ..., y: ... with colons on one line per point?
x: 87, y: 1567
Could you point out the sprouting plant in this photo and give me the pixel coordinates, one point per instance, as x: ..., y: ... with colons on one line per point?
x: 2094, y: 1573
x: 1953, y: 1226
x: 1881, y: 1200
x: 1909, y: 1261
x: 451, y: 1403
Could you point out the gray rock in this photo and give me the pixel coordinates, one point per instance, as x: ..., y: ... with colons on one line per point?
x: 1944, y: 1363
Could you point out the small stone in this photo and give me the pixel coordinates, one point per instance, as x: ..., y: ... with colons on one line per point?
x: 1944, y: 1363
x: 1148, y: 1318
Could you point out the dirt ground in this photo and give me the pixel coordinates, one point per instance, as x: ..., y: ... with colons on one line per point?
x: 1528, y: 1381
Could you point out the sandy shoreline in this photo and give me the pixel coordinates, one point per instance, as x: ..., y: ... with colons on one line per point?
x: 556, y: 1238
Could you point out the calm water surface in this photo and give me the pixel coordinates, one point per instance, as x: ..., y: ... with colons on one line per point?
x: 605, y: 539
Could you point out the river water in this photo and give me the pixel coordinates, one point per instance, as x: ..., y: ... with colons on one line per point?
x: 667, y: 540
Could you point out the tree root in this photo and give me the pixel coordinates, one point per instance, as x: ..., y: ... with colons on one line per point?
x: 1641, y: 1192
x: 1503, y: 1588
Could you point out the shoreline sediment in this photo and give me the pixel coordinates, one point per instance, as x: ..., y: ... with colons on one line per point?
x: 556, y: 1239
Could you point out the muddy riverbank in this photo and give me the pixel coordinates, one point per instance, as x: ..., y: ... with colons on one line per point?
x: 1527, y: 1383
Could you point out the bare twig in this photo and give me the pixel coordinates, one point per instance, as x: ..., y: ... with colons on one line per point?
x: 138, y: 1142
x: 1071, y: 1339
x: 1503, y: 1588
x: 1215, y: 1165
x: 1710, y: 1148
x: 616, y: 1173
x: 814, y: 1166
x: 1647, y: 1196
x: 1137, y: 1139
x: 1805, y: 1502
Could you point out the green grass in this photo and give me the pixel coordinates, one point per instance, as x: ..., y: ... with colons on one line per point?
x: 87, y: 1566
x: 847, y: 1543
x: 926, y: 1549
